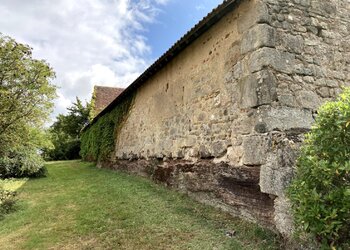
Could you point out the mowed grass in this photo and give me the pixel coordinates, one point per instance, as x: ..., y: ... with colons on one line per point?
x: 79, y: 206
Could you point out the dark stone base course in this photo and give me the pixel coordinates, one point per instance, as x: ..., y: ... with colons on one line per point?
x: 233, y: 189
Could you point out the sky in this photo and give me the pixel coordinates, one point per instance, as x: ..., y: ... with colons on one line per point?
x: 98, y: 42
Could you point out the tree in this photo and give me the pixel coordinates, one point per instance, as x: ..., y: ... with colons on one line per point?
x: 72, y: 123
x: 26, y: 99
x: 65, y: 132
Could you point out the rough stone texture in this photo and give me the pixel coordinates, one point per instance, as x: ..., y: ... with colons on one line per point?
x: 277, y: 171
x: 261, y: 35
x: 224, y: 120
x: 257, y: 89
x: 283, y: 217
x: 255, y: 148
x: 312, y: 35
x: 281, y: 118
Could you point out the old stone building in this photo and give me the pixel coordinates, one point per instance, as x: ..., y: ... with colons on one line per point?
x: 221, y: 115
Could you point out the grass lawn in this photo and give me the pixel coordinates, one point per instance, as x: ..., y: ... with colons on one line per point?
x: 81, y: 207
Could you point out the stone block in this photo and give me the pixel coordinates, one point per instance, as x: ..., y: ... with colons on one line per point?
x: 305, y: 3
x: 274, y: 181
x: 256, y: 14
x: 266, y: 90
x: 285, y: 118
x: 292, y: 43
x: 247, y: 89
x: 260, y: 127
x: 257, y: 89
x: 237, y: 71
x: 254, y: 150
x: 261, y: 35
x: 287, y: 100
x: 283, y: 217
x: 234, y: 154
x: 278, y: 172
x: 323, y: 92
x: 219, y: 148
x: 269, y: 57
x: 324, y: 8
x: 203, y: 152
x: 308, y: 99
x: 243, y: 125
x: 233, y: 55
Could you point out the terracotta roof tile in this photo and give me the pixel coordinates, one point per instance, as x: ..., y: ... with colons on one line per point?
x: 103, y: 96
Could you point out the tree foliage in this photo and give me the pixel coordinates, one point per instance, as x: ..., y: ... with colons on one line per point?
x: 65, y: 132
x: 320, y: 192
x: 26, y: 100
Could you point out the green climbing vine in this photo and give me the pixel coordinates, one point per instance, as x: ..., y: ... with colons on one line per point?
x: 92, y: 106
x: 98, y: 141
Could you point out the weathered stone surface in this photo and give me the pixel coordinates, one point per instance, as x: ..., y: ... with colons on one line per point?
x: 261, y: 35
x: 219, y: 149
x: 257, y: 89
x: 293, y: 44
x: 204, y: 152
x: 283, y: 216
x: 254, y: 149
x: 286, y: 118
x: 270, y: 57
x: 287, y: 99
x: 274, y: 180
x: 277, y: 173
x: 259, y: 14
x: 243, y: 125
x: 234, y: 155
x: 308, y: 99
x: 260, y: 127
x: 248, y: 89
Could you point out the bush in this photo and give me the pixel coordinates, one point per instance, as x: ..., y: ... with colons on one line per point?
x: 320, y: 192
x: 22, y: 163
x: 64, y: 149
x: 7, y: 202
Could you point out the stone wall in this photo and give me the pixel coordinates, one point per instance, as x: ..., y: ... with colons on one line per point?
x: 223, y: 120
x: 310, y: 62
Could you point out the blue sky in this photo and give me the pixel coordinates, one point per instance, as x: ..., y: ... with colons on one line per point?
x: 175, y: 19
x: 98, y: 42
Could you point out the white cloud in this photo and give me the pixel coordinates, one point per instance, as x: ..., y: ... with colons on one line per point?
x: 200, y: 7
x: 86, y: 41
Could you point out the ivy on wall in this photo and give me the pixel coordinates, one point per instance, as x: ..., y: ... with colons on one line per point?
x: 98, y: 141
x: 92, y: 113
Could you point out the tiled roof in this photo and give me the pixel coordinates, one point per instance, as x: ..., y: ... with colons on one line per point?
x: 213, y: 17
x: 103, y: 96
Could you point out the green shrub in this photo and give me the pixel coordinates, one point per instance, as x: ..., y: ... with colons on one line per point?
x: 22, y: 163
x: 7, y: 202
x: 98, y: 140
x: 320, y: 192
x: 64, y: 149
